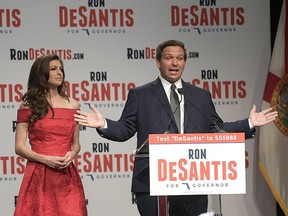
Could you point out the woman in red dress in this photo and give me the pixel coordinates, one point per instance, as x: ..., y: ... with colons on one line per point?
x: 51, y: 184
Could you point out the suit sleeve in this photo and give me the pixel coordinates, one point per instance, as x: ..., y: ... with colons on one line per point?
x: 126, y: 126
x: 236, y: 126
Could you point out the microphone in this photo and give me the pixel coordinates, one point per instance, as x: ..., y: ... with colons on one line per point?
x: 219, y: 130
x: 181, y: 92
x: 143, y: 150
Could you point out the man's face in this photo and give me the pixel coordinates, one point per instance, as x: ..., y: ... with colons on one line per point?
x: 172, y: 63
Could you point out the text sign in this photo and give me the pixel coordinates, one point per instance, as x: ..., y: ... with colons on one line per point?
x: 206, y: 163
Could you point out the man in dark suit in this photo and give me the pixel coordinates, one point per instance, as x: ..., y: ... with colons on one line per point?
x: 148, y: 111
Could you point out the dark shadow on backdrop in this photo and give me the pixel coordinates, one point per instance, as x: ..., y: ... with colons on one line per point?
x: 275, y: 10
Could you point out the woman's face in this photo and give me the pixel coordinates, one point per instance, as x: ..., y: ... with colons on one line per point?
x: 55, y: 73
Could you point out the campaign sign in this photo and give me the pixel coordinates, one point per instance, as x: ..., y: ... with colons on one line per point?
x: 204, y: 163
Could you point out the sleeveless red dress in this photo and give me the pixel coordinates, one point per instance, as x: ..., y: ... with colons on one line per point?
x: 45, y: 191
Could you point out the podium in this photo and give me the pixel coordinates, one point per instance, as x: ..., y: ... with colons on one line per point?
x: 143, y: 150
x: 196, y: 164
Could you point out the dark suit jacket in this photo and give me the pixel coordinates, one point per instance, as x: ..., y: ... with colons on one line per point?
x: 147, y: 111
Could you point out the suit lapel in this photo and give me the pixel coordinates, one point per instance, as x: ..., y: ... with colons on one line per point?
x: 186, y: 98
x: 160, y: 94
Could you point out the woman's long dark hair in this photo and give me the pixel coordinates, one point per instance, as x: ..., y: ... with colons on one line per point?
x: 38, y: 88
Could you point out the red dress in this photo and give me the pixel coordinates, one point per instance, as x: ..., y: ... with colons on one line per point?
x: 45, y: 191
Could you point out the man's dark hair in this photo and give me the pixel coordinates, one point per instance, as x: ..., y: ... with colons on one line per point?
x: 164, y: 44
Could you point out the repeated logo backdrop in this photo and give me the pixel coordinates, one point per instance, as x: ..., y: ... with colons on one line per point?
x: 108, y: 47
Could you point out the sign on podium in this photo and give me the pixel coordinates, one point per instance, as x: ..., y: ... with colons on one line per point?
x: 204, y: 163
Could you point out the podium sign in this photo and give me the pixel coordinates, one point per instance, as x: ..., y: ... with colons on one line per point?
x: 205, y: 163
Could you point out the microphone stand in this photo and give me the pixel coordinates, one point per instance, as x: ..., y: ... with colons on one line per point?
x: 145, y: 144
x: 219, y: 130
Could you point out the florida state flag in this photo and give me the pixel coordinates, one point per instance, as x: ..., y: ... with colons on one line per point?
x: 274, y: 137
